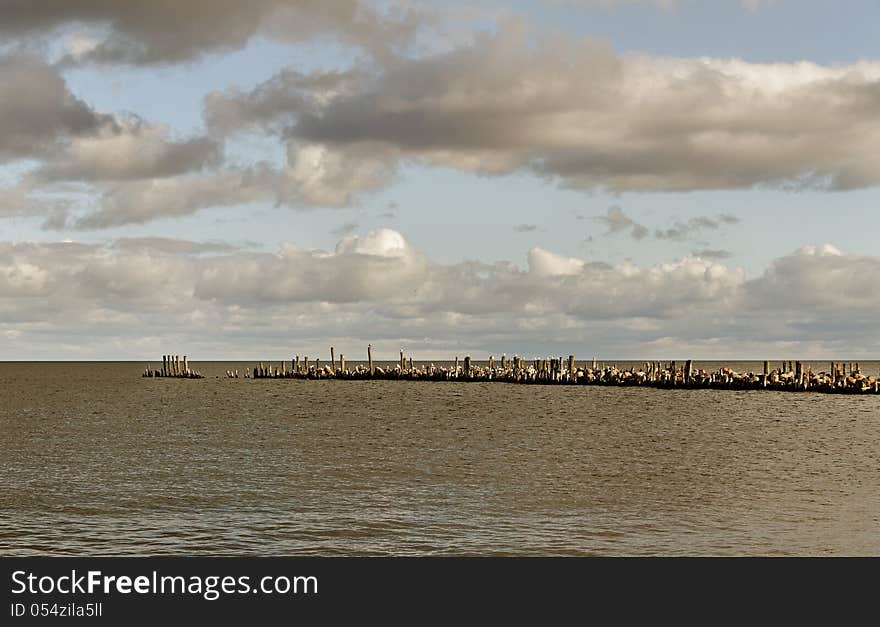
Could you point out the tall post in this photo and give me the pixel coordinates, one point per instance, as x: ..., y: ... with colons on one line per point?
x: 332, y: 360
x: 402, y: 361
x: 571, y: 365
x: 164, y: 365
x: 185, y: 366
x: 342, y: 363
x: 467, y: 366
x: 370, y: 358
x: 455, y: 371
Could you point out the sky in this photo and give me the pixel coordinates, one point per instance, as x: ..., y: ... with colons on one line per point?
x: 626, y: 179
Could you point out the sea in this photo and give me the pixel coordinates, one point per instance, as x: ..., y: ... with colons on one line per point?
x: 95, y: 460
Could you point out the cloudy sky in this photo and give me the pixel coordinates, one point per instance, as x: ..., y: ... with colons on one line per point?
x: 621, y: 178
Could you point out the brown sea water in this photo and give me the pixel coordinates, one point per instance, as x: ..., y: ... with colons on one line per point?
x: 95, y: 460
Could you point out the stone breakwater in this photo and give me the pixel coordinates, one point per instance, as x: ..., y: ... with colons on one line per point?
x: 792, y: 376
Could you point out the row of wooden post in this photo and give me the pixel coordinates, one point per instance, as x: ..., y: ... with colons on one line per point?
x: 299, y: 366
x: 173, y: 367
x: 791, y: 375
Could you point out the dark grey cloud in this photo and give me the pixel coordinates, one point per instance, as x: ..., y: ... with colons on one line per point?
x: 568, y: 109
x: 574, y: 111
x: 141, y: 201
x: 42, y: 121
x: 275, y: 104
x: 312, y: 177
x: 16, y: 202
x: 129, y: 149
x: 169, y: 31
x: 38, y: 111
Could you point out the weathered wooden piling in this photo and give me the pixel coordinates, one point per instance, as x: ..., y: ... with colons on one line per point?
x: 171, y: 369
x: 792, y: 376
